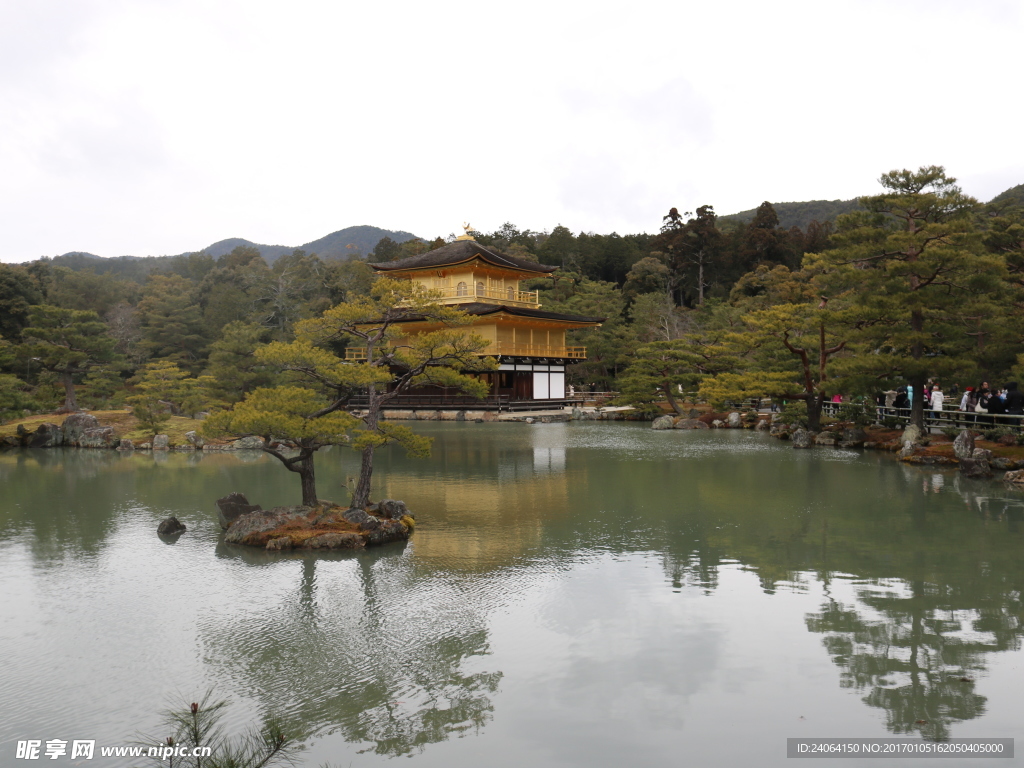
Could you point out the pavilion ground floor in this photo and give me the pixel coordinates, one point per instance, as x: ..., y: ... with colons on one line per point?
x: 519, y: 384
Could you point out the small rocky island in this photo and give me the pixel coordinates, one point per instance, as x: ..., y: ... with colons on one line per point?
x: 325, y: 526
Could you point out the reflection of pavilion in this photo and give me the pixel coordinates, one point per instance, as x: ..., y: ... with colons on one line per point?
x: 503, y: 511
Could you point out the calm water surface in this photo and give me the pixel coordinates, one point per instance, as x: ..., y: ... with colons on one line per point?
x: 575, y: 594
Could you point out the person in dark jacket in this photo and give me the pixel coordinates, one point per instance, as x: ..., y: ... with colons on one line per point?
x: 901, y: 401
x: 996, y: 408
x: 1014, y: 399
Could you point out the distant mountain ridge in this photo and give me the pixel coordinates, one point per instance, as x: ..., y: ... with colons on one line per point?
x: 343, y: 244
x: 799, y: 214
x: 803, y: 213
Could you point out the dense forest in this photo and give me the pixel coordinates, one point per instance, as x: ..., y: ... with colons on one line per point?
x: 918, y: 281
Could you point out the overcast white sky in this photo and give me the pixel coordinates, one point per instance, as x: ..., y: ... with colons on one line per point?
x: 160, y: 126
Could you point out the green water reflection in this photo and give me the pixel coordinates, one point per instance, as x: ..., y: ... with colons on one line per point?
x: 563, y: 577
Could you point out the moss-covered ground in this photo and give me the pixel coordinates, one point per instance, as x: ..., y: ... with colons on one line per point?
x: 124, y: 423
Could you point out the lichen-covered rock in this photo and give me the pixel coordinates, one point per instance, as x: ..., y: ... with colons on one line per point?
x: 963, y: 445
x: 977, y: 468
x: 912, y: 433
x: 195, y: 439
x: 1015, y: 476
x: 393, y: 509
x: 1007, y: 464
x: 690, y: 424
x: 853, y: 437
x: 663, y: 422
x: 125, y: 445
x: 928, y: 459
x: 982, y: 453
x: 802, y: 438
x: 334, y: 541
x: 825, y: 438
x: 245, y: 528
x: 251, y: 443
x: 909, y: 449
x: 388, y: 531
x: 233, y: 506
x: 170, y: 526
x: 763, y: 425
x: 734, y: 420
x: 100, y: 437
x: 161, y: 442
x: 75, y: 425
x: 280, y: 543
x: 361, y: 518
x: 46, y: 436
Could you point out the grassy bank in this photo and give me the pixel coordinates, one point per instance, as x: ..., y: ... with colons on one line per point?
x: 124, y: 423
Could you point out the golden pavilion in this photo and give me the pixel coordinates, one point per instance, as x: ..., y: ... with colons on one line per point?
x: 528, y: 342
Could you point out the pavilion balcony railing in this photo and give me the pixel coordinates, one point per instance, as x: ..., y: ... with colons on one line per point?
x: 504, y: 348
x: 516, y: 349
x: 507, y: 295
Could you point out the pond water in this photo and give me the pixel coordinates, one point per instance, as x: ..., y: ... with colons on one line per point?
x: 583, y: 594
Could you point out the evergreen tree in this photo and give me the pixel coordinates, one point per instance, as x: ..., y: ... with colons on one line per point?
x: 915, y: 272
x: 68, y: 343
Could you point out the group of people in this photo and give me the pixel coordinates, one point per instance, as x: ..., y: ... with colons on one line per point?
x: 982, y: 399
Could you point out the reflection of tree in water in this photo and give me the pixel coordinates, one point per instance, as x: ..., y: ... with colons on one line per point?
x: 950, y: 548
x: 384, y: 669
x: 918, y: 659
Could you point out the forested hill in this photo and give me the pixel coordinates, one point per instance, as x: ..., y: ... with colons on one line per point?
x: 344, y: 243
x: 798, y: 214
x: 1013, y: 196
x: 802, y: 214
x: 353, y: 240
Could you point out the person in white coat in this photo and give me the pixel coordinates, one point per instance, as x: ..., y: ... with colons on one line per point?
x: 937, y: 399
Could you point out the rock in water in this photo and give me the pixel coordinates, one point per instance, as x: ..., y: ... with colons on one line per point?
x: 853, y: 437
x: 1015, y: 476
x: 691, y: 424
x: 46, y: 436
x: 975, y: 468
x: 170, y: 526
x: 75, y: 426
x: 194, y: 438
x: 100, y: 437
x: 663, y: 422
x: 233, y: 506
x: 734, y: 420
x: 251, y: 443
x: 1006, y: 464
x: 393, y: 510
x: 332, y: 541
x: 361, y: 518
x: 261, y: 521
x: 161, y: 443
x: 803, y: 439
x: 982, y: 453
x: 909, y: 449
x: 963, y: 445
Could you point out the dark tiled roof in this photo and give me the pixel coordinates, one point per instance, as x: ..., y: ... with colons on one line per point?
x: 458, y: 252
x: 480, y: 308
